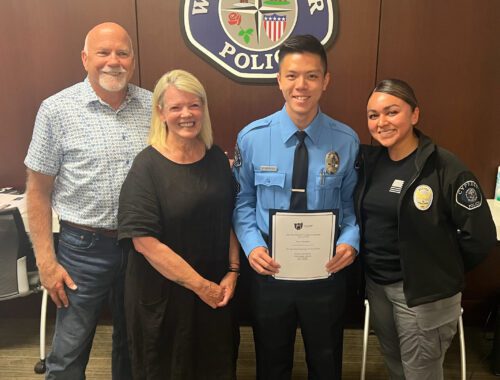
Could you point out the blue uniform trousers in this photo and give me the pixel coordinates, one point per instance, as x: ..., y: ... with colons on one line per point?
x: 317, y: 307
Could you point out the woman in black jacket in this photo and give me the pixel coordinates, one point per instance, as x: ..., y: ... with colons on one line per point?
x: 424, y: 220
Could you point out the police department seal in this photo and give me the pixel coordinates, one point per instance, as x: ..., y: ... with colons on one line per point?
x: 241, y: 37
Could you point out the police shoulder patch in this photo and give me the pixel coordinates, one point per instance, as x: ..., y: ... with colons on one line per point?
x: 469, y: 195
x: 237, y: 157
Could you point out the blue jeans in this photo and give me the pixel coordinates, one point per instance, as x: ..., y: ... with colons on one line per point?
x: 97, y: 265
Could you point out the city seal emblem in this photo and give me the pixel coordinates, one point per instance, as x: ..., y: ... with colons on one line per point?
x: 469, y: 195
x: 241, y: 38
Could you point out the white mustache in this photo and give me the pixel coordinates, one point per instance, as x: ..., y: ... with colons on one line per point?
x: 119, y: 70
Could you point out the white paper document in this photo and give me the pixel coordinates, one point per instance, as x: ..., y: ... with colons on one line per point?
x: 13, y: 200
x: 19, y: 201
x: 302, y: 243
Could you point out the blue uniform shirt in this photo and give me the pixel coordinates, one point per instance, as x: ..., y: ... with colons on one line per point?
x: 264, y: 165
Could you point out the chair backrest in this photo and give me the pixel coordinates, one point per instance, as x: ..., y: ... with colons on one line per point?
x: 14, y: 249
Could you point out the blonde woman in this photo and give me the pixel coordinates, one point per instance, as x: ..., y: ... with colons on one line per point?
x: 175, y: 216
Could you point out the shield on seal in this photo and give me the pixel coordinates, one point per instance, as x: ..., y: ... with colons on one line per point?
x: 274, y: 26
x: 241, y: 37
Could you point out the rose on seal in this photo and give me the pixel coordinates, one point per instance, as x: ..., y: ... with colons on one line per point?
x: 234, y: 18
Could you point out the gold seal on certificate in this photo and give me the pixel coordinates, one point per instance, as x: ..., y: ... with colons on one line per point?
x: 302, y: 243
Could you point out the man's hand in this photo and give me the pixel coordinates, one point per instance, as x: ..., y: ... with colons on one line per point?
x: 39, y: 206
x: 344, y: 256
x: 53, y: 278
x: 261, y: 262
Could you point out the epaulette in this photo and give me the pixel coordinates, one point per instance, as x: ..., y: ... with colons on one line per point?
x: 255, y: 125
x: 342, y: 128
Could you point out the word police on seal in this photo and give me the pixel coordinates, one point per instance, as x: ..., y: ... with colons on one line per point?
x: 241, y: 37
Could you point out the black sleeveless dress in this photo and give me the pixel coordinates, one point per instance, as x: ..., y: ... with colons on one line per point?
x: 172, y: 333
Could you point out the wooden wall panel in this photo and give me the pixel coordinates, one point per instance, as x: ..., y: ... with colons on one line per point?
x: 353, y: 64
x: 40, y: 44
x: 450, y: 52
x: 482, y: 292
x: 352, y: 61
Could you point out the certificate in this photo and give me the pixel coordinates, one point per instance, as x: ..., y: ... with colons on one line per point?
x: 302, y: 243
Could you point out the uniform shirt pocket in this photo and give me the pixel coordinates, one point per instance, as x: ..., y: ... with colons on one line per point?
x: 328, y: 191
x: 270, y: 189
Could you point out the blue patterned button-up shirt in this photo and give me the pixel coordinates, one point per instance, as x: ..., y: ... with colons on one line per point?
x: 89, y: 148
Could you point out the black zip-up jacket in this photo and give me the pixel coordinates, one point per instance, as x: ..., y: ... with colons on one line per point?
x: 440, y: 232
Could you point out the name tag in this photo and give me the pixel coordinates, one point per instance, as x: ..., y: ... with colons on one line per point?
x: 266, y: 168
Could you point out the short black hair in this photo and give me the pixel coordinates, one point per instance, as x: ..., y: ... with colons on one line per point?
x: 303, y: 43
x: 398, y: 88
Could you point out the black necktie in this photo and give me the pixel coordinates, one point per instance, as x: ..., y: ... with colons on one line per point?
x: 298, y: 201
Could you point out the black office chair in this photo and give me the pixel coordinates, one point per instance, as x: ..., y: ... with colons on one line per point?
x: 17, y: 278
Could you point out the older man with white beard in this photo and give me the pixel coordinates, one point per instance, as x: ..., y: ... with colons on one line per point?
x: 84, y: 141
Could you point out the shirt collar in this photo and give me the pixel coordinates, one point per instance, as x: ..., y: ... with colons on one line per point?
x: 288, y: 128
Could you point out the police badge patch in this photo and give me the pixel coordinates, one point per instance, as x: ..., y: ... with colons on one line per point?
x: 332, y: 162
x: 469, y: 195
x: 241, y: 37
x: 422, y: 197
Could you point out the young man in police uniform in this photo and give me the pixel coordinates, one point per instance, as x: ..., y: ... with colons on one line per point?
x: 263, y: 167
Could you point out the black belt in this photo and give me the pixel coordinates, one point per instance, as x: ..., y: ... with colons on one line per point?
x: 102, y: 231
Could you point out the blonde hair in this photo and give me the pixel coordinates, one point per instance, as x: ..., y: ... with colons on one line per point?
x: 183, y: 81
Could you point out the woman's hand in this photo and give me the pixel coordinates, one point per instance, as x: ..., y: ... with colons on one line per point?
x: 211, y: 293
x: 228, y: 283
